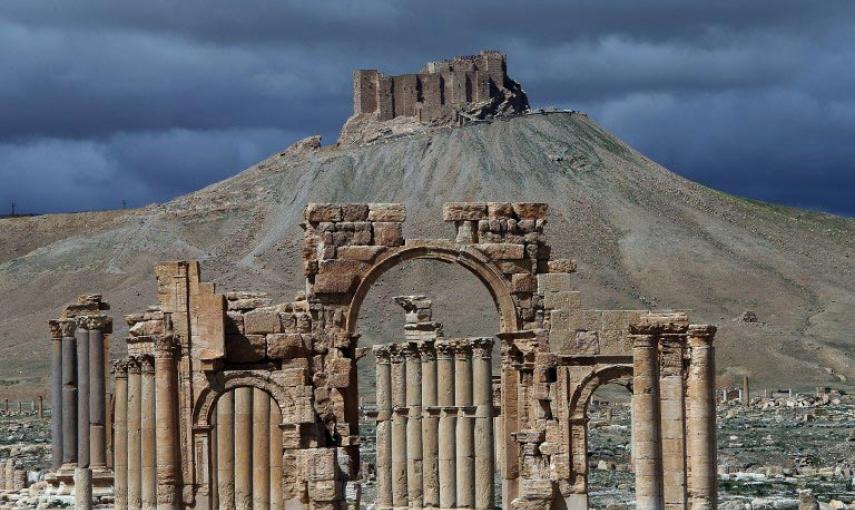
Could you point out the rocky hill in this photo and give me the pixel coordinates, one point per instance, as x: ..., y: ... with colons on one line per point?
x: 643, y: 236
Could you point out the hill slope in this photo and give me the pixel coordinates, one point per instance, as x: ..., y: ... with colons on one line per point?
x: 642, y: 235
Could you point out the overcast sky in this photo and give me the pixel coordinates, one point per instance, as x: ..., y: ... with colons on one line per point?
x: 105, y: 101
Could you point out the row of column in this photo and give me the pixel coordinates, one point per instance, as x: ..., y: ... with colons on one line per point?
x: 435, y: 445
x: 34, y: 407
x: 146, y: 461
x: 78, y: 393
x: 673, y: 418
x: 248, y: 451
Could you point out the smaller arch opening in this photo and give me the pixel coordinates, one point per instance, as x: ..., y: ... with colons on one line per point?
x: 610, y: 475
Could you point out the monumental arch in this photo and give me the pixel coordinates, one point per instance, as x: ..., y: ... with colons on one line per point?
x: 275, y: 385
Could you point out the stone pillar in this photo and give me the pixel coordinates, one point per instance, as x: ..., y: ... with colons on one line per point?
x: 746, y: 393
x: 465, y: 461
x: 414, y: 424
x: 167, y: 427
x: 97, y: 401
x: 69, y: 400
x: 510, y: 422
x: 56, y: 386
x: 646, y: 448
x: 383, y: 383
x: 447, y: 424
x: 134, y: 434
x: 243, y: 448
x: 430, y: 427
x: 673, y: 418
x: 276, y: 494
x: 148, y: 436
x: 120, y: 436
x: 40, y: 410
x: 81, y: 337
x: 226, y: 450
x: 261, y: 450
x: 399, y: 429
x: 82, y: 488
x: 482, y: 397
x: 700, y: 419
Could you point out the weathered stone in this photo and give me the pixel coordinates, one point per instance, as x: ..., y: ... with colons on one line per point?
x: 388, y: 234
x: 245, y: 348
x: 500, y: 210
x: 248, y: 303
x: 387, y: 212
x: 262, y: 321
x: 502, y: 251
x: 354, y: 212
x: 360, y: 253
x: 531, y: 210
x: 562, y: 266
x: 462, y: 211
x: 316, y: 213
x: 523, y: 282
x: 285, y: 346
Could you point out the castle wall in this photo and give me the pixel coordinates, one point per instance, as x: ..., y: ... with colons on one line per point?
x: 365, y: 91
x: 406, y: 93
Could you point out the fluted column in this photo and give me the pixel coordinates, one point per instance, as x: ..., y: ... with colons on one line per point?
x: 56, y: 401
x: 97, y: 401
x: 646, y: 447
x: 81, y: 337
x: 148, y: 436
x: 414, y: 424
x: 134, y: 434
x: 399, y: 429
x: 120, y: 436
x: 69, y: 399
x: 465, y: 425
x: 261, y: 450
x: 672, y: 348
x: 700, y: 418
x: 226, y: 450
x: 430, y: 427
x: 482, y: 397
x: 167, y: 427
x: 383, y: 370
x: 447, y: 424
x: 243, y: 448
x: 276, y: 496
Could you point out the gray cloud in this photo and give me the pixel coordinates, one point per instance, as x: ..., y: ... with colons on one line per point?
x: 162, y: 98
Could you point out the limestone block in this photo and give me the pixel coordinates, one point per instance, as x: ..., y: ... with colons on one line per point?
x: 586, y: 343
x: 336, y: 276
x: 554, y: 282
x: 234, y: 323
x: 386, y: 212
x: 338, y: 372
x: 523, y: 282
x: 248, y: 303
x: 500, y: 210
x: 285, y: 346
x: 246, y: 348
x: 562, y: 266
x: 462, y: 211
x: 531, y: 210
x: 502, y: 251
x: 262, y: 321
x: 388, y: 234
x: 354, y: 212
x: 353, y: 233
x: 514, y: 266
x: 324, y: 491
x: 360, y: 253
x: 316, y: 213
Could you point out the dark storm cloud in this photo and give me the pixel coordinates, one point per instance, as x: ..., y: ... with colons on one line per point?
x: 152, y: 99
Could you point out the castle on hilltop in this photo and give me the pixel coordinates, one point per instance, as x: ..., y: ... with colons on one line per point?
x: 475, y: 85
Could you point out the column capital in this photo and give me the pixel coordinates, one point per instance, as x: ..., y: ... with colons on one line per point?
x: 646, y: 339
x: 134, y: 366
x: 463, y: 349
x: 119, y: 368
x: 672, y: 340
x: 444, y: 349
x: 165, y: 347
x: 146, y: 362
x: 396, y: 353
x: 701, y: 335
x: 100, y: 322
x: 427, y: 350
x: 382, y: 353
x: 410, y: 350
x: 62, y: 328
x: 482, y: 347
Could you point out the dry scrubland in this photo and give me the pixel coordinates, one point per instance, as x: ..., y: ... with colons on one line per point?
x: 643, y: 237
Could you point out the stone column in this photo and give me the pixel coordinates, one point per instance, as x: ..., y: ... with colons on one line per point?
x: 399, y: 429
x: 82, y: 488
x: 414, y: 424
x: 482, y: 384
x: 120, y: 436
x: 81, y: 337
x: 465, y: 425
x: 69, y: 400
x: 447, y: 424
x: 148, y: 436
x: 276, y: 495
x: 40, y: 410
x: 261, y: 450
x: 97, y: 401
x: 746, y: 393
x: 673, y: 418
x: 56, y: 386
x: 430, y: 427
x: 134, y: 434
x: 243, y: 448
x: 646, y: 448
x: 383, y: 371
x: 510, y: 423
x: 700, y: 419
x: 167, y: 427
x: 226, y: 450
